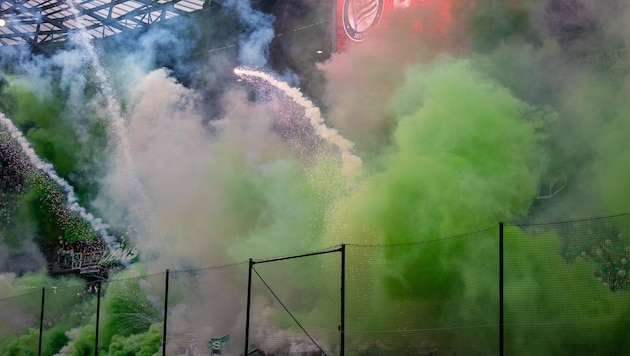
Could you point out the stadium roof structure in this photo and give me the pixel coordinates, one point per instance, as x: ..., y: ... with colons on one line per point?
x: 38, y: 22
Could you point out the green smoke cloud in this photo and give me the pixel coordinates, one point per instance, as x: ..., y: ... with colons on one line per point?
x: 465, y: 155
x: 145, y: 344
x: 540, y: 307
x: 66, y: 306
x: 291, y: 205
x: 458, y: 147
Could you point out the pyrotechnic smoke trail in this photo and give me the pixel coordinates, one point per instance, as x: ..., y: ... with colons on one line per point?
x: 117, y: 124
x: 352, y: 164
x: 48, y: 168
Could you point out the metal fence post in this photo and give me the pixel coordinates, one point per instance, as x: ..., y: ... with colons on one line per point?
x: 98, y: 315
x: 41, y: 322
x: 249, y: 294
x: 165, y: 314
x: 343, y: 301
x: 501, y: 320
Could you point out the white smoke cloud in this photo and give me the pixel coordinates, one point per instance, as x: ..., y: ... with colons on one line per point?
x: 257, y: 35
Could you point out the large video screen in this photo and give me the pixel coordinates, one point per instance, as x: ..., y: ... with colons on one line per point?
x: 358, y: 19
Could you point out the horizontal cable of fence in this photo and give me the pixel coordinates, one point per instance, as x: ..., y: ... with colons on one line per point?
x: 551, y: 288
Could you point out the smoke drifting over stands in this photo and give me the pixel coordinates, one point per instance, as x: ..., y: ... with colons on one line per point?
x: 463, y: 114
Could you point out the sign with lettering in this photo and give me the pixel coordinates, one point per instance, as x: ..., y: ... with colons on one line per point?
x: 121, y: 254
x: 217, y: 345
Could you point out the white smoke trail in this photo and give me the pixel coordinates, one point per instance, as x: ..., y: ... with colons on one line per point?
x: 352, y: 164
x: 38, y: 163
x: 117, y: 123
x: 259, y: 32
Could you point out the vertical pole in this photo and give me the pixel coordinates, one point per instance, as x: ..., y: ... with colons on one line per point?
x: 249, y: 295
x: 41, y: 321
x: 501, y: 320
x: 165, y: 314
x: 342, y: 327
x: 333, y: 28
x: 98, y: 315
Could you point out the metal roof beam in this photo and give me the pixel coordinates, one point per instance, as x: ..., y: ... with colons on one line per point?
x: 38, y: 22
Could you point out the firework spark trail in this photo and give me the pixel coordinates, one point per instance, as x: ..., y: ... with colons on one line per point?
x: 352, y: 164
x: 73, y: 205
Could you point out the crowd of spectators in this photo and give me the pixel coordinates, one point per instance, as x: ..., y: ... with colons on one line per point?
x: 13, y: 167
x: 11, y: 188
x: 78, y: 254
x: 16, y: 173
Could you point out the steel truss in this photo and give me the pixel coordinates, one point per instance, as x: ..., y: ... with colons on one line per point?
x: 37, y: 22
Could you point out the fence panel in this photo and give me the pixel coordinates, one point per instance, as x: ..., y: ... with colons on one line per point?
x: 19, y: 322
x: 432, y: 298
x: 69, y: 307
x: 296, y: 305
x: 566, y: 287
x: 206, y: 311
x: 565, y: 292
x: 131, y: 313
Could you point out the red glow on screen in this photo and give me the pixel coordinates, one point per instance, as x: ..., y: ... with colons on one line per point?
x: 357, y: 19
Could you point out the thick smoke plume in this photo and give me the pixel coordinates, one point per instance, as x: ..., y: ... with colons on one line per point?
x: 457, y: 118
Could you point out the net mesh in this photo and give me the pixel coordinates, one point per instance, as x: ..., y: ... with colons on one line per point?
x: 204, y: 306
x: 565, y: 291
x: 436, y: 297
x: 66, y: 308
x: 131, y: 314
x: 19, y: 319
x: 566, y: 287
x: 296, y: 305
